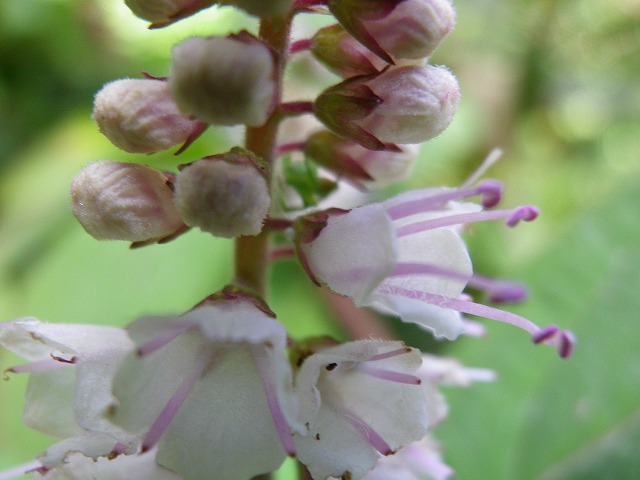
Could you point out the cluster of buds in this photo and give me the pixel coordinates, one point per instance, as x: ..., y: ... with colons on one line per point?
x: 223, y: 388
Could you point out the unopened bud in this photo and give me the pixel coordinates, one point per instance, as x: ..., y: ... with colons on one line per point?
x: 226, y: 195
x: 224, y: 80
x: 341, y: 53
x: 124, y: 201
x: 396, y: 29
x: 140, y: 116
x: 409, y: 104
x: 162, y: 12
x: 362, y: 166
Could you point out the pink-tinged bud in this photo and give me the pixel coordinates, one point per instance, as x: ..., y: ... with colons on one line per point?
x: 140, y: 116
x: 164, y: 12
x: 226, y: 195
x: 337, y: 50
x: 360, y: 165
x: 409, y: 104
x: 124, y: 201
x: 396, y: 29
x: 224, y: 80
x: 261, y: 8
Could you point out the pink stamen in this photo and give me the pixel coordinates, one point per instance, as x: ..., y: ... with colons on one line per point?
x: 565, y: 342
x: 499, y: 291
x: 170, y: 410
x: 520, y: 213
x: 490, y: 190
x: 163, y: 339
x: 21, y: 470
x: 35, y: 367
x: 526, y: 214
x: 389, y: 375
x: 368, y: 433
x: 391, y: 354
x: 545, y: 334
x: 279, y: 420
x: 300, y: 46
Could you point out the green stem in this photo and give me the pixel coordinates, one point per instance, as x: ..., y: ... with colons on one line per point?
x: 251, y: 253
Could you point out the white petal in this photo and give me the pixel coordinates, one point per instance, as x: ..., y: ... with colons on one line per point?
x: 144, y: 385
x: 225, y: 429
x: 354, y: 252
x: 442, y: 322
x: 49, y: 402
x: 35, y: 340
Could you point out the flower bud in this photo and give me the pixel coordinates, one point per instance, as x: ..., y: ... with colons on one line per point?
x: 337, y: 50
x: 226, y: 195
x: 164, y: 12
x: 140, y: 116
x: 396, y: 29
x: 261, y: 8
x: 358, y: 164
x: 409, y: 104
x: 124, y: 201
x: 224, y: 80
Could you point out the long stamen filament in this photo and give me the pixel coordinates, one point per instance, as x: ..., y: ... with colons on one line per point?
x: 499, y: 291
x: 163, y: 339
x: 490, y: 190
x: 368, y: 433
x: 279, y: 420
x: 526, y: 213
x: 170, y: 410
x: 389, y: 375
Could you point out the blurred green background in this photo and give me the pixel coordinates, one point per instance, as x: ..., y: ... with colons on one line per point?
x: 555, y: 83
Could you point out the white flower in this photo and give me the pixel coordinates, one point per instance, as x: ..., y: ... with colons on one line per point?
x: 71, y: 368
x: 212, y: 388
x: 358, y: 400
x: 420, y: 460
x: 405, y: 257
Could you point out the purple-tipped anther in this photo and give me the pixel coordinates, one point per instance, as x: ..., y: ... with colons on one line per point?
x: 506, y: 292
x: 525, y: 213
x: 566, y: 343
x: 544, y: 334
x: 491, y: 192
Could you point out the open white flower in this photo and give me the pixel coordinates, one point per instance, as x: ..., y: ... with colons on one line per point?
x: 71, y: 368
x: 358, y: 400
x: 405, y: 257
x: 211, y: 388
